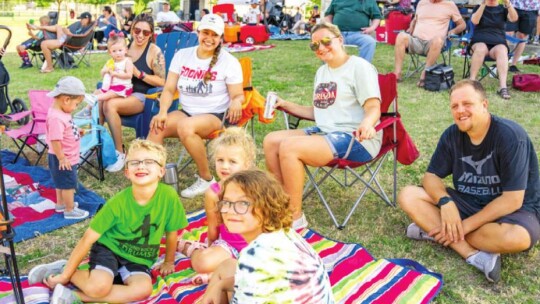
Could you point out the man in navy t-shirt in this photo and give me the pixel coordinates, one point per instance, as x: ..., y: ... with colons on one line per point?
x: 494, y: 205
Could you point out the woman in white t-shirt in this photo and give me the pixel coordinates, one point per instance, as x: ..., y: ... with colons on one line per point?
x: 346, y: 103
x: 209, y: 82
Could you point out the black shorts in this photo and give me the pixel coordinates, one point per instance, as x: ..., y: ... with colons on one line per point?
x: 525, y: 24
x: 63, y: 179
x: 103, y: 258
x: 489, y: 47
x: 521, y: 217
x: 218, y: 115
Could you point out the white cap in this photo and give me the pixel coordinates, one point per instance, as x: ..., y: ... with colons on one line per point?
x: 254, y: 2
x: 68, y: 85
x: 212, y: 22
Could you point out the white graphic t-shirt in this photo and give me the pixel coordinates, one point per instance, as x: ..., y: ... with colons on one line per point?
x: 197, y: 97
x: 339, y: 96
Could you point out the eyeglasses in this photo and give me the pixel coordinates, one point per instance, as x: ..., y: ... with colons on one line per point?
x: 326, y: 41
x: 240, y: 207
x: 137, y: 31
x: 146, y: 162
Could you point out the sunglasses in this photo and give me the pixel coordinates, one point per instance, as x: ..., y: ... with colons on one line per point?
x: 137, y: 31
x: 326, y: 41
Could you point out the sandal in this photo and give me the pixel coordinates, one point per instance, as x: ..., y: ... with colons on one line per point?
x: 201, y: 279
x: 503, y: 93
x: 186, y: 247
x: 47, y: 71
x: 421, y: 83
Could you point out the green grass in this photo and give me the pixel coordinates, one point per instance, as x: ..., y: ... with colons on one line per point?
x: 289, y: 69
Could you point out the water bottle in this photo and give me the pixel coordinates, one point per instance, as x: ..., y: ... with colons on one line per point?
x: 171, y: 175
x: 106, y: 85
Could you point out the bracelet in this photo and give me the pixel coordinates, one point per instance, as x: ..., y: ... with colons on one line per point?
x: 141, y: 75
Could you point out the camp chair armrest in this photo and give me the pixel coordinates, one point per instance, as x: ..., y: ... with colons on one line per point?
x: 515, y: 40
x: 17, y: 116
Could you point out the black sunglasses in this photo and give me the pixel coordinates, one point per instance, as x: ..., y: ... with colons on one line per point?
x: 326, y: 41
x: 240, y: 207
x: 137, y: 31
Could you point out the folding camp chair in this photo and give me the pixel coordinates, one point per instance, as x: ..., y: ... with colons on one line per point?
x: 169, y: 44
x: 364, y: 172
x: 465, y: 42
x: 32, y: 134
x: 7, y: 248
x: 416, y: 64
x: 91, y: 160
x: 252, y: 106
x: 75, y: 47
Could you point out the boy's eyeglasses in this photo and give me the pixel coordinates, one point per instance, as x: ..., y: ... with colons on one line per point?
x: 326, y: 41
x: 137, y: 31
x: 240, y: 207
x: 145, y: 162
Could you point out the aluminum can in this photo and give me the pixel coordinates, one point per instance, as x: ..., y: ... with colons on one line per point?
x: 171, y: 175
x: 271, y: 99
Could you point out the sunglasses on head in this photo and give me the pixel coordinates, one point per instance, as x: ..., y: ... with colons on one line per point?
x: 137, y: 31
x: 326, y: 41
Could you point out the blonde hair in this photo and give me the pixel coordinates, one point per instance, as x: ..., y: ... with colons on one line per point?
x: 328, y: 26
x: 45, y: 19
x: 235, y: 136
x: 269, y: 201
x: 116, y: 38
x: 156, y: 149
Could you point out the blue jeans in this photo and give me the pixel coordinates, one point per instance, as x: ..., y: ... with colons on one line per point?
x: 110, y: 28
x: 366, y: 44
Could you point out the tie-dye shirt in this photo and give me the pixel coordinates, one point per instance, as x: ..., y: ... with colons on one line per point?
x: 281, y: 267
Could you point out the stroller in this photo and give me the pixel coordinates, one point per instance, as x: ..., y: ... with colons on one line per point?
x: 17, y: 105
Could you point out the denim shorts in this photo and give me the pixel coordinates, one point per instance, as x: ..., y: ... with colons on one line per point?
x: 339, y: 143
x: 63, y: 179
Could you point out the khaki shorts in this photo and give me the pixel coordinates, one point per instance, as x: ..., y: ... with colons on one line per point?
x: 418, y: 46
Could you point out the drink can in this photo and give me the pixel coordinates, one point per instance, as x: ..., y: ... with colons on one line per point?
x: 271, y: 99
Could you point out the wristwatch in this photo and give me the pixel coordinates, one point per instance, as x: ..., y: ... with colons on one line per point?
x: 444, y: 200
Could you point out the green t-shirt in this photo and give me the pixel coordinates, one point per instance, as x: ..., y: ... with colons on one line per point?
x: 353, y: 15
x: 133, y: 231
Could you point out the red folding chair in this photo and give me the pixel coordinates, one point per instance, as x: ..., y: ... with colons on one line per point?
x: 32, y: 133
x: 395, y: 139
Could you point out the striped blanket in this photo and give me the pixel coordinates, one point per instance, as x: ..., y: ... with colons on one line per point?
x: 355, y: 276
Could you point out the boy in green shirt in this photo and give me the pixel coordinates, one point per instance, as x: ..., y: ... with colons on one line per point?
x: 123, y: 238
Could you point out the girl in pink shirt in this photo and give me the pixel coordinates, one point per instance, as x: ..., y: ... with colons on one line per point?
x: 233, y: 151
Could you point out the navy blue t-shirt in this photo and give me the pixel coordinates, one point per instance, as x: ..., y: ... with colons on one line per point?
x: 491, y: 28
x: 504, y: 161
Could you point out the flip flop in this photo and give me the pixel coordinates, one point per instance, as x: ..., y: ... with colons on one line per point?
x: 503, y: 93
x: 421, y: 83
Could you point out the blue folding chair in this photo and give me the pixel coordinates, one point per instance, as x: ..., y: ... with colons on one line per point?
x: 169, y: 44
x: 91, y: 160
x: 466, y: 41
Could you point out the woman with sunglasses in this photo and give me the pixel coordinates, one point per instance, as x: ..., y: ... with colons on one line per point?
x: 209, y: 82
x: 148, y: 72
x: 345, y: 108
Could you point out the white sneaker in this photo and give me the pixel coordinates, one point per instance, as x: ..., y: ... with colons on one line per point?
x: 416, y: 233
x: 488, y: 263
x: 40, y: 272
x: 90, y: 99
x: 76, y: 214
x: 300, y: 223
x: 119, y: 164
x: 198, y: 188
x: 64, y: 295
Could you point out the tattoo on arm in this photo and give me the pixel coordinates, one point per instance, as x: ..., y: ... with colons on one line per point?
x: 158, y: 69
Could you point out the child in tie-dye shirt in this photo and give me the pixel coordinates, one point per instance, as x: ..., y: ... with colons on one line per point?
x: 278, y: 265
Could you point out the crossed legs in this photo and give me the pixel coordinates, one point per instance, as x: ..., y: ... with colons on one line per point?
x: 286, y: 152
x: 491, y: 237
x: 113, y: 108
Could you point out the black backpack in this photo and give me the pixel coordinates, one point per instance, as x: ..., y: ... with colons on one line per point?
x: 66, y: 61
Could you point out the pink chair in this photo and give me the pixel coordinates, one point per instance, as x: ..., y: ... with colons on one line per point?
x: 32, y: 133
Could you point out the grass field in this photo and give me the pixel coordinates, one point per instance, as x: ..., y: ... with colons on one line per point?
x: 289, y: 69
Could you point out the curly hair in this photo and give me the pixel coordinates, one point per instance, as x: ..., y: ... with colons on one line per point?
x: 270, y: 203
x: 235, y: 136
x: 156, y: 149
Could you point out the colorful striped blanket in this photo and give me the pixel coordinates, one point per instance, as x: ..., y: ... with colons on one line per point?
x: 356, y: 277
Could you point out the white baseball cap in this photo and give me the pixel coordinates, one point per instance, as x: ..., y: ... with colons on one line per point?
x: 68, y: 85
x: 212, y: 22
